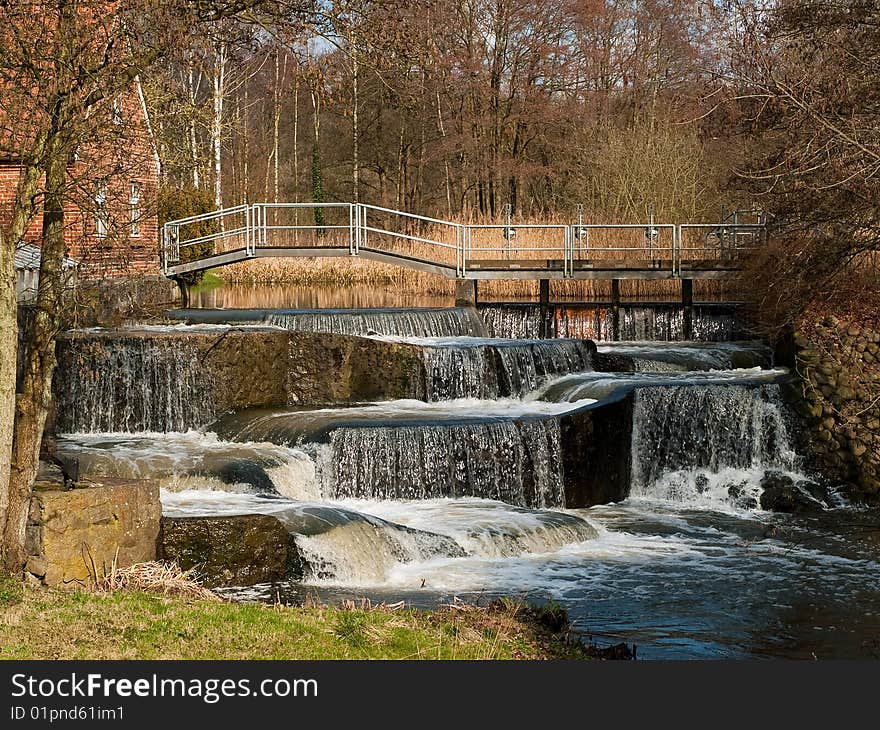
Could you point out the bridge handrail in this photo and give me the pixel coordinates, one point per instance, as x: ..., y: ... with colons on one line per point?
x: 438, y: 221
x: 208, y: 216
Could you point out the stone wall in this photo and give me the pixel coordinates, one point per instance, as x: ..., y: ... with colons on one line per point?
x: 326, y: 369
x: 597, y: 453
x: 230, y: 368
x: 75, y: 535
x: 838, y: 364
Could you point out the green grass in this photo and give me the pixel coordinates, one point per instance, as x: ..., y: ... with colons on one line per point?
x: 50, y: 624
x: 210, y: 280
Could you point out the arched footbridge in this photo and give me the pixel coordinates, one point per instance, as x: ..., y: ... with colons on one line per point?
x: 475, y: 251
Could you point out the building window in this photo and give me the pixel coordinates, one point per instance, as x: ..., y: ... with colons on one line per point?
x: 134, y: 206
x: 101, y: 210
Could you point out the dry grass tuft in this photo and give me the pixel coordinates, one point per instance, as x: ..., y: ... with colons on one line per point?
x: 164, y: 578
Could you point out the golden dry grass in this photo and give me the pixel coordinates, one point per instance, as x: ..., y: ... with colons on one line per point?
x: 163, y: 578
x: 342, y: 272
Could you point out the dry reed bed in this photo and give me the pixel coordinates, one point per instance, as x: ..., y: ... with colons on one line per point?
x: 345, y: 271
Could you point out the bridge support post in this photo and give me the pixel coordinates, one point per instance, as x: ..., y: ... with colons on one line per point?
x: 615, y: 309
x: 184, y: 291
x: 545, y: 327
x: 687, y: 301
x: 465, y: 292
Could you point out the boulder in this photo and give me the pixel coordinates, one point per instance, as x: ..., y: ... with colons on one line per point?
x: 239, y: 550
x: 740, y: 496
x: 782, y: 494
x: 76, y: 535
x: 244, y: 471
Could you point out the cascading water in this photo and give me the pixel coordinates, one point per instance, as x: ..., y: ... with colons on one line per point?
x: 512, y: 322
x: 500, y: 369
x: 459, y: 372
x: 195, y: 460
x: 712, y: 440
x: 378, y: 497
x: 595, y: 322
x: 129, y: 384
x: 517, y: 462
x: 359, y: 543
x: 457, y: 322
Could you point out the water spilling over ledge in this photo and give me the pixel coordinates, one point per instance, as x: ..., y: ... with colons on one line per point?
x: 177, y: 378
x: 664, y: 322
x: 129, y: 383
x: 477, y: 368
x: 685, y: 436
x: 514, y: 462
x: 383, y: 495
x: 363, y: 543
x: 454, y: 322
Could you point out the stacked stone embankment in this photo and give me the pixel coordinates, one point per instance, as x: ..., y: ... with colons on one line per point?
x: 838, y: 364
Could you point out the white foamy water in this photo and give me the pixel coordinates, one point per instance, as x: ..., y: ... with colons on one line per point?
x: 358, y: 543
x: 600, y: 385
x: 689, y: 356
x: 193, y: 460
x: 393, y: 502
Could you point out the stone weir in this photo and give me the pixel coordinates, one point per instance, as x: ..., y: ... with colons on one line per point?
x: 178, y: 378
x: 416, y: 322
x: 175, y: 379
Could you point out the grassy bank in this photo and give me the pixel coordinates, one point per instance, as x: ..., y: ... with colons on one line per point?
x: 49, y: 624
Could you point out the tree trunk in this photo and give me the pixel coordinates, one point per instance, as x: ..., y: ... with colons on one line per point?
x: 296, y: 154
x: 192, y: 89
x: 24, y: 205
x: 218, y: 96
x: 317, y: 175
x: 276, y: 124
x: 446, y: 176
x: 355, y: 132
x: 36, y: 393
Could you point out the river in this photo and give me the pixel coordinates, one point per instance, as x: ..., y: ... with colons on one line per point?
x: 459, y: 495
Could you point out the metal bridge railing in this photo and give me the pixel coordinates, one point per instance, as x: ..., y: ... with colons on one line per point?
x: 719, y: 242
x: 356, y: 226
x: 442, y: 238
x: 208, y: 234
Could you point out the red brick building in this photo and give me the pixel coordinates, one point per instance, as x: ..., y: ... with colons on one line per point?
x: 110, y: 214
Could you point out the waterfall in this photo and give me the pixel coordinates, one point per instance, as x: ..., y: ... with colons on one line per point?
x: 685, y: 436
x: 499, y: 370
x: 595, y: 322
x: 524, y: 367
x: 365, y: 550
x: 592, y: 323
x: 517, y: 322
x: 517, y: 462
x: 457, y: 322
x: 130, y: 384
x: 459, y: 372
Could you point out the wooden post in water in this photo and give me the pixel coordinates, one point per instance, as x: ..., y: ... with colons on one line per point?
x: 615, y: 309
x: 545, y: 328
x: 687, y: 301
x: 184, y: 292
x: 465, y: 292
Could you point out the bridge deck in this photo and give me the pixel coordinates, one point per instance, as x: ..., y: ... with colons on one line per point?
x: 482, y: 269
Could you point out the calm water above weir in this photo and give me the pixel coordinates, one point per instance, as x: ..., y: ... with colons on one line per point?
x: 461, y: 494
